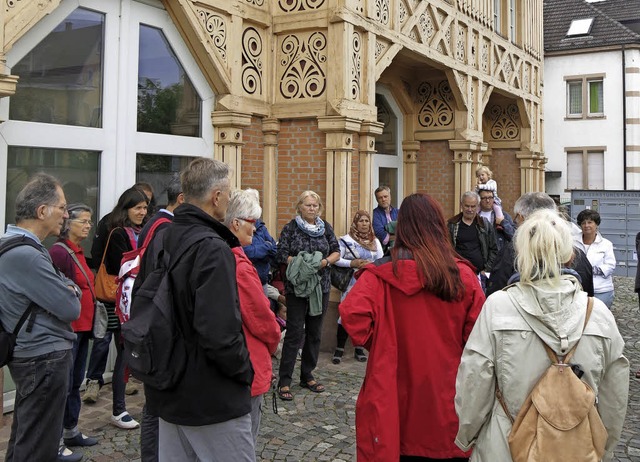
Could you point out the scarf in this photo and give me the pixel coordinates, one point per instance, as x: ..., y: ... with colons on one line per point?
x: 315, y: 230
x: 366, y: 240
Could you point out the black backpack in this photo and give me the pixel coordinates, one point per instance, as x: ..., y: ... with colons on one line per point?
x: 155, y: 348
x: 8, y: 339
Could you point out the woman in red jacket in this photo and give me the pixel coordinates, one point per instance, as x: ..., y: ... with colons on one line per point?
x: 261, y: 330
x: 413, y: 311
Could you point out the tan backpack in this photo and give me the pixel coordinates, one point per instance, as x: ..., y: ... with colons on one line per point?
x: 559, y: 420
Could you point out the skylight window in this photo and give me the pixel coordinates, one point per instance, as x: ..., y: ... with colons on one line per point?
x: 580, y: 27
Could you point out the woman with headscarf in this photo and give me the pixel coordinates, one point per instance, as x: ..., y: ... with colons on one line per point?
x: 357, y: 248
x: 413, y: 311
x: 307, y: 246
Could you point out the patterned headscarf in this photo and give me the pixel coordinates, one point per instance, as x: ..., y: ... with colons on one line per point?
x: 366, y: 240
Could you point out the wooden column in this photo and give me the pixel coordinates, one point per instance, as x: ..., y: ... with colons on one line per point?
x: 228, y: 142
x: 270, y: 129
x: 467, y: 155
x: 528, y: 171
x: 410, y: 154
x: 339, y: 147
x: 368, y: 132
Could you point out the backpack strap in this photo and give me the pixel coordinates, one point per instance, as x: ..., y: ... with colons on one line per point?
x: 7, y: 245
x: 348, y: 248
x: 132, y: 237
x: 152, y: 231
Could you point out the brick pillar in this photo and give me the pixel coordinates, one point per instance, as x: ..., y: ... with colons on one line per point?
x: 467, y: 156
x: 339, y: 132
x: 410, y: 153
x: 227, y: 135
x: 368, y: 132
x: 270, y: 129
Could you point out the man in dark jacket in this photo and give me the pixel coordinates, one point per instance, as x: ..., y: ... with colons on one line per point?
x: 505, y: 264
x: 472, y: 236
x: 206, y: 415
x: 503, y: 227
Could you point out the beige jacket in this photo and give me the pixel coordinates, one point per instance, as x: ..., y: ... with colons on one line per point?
x: 504, y: 348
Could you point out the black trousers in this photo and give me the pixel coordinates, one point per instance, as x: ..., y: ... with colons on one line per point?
x: 300, y: 324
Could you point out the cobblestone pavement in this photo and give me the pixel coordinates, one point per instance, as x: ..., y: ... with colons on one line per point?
x: 321, y: 427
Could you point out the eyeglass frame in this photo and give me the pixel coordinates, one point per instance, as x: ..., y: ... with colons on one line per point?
x: 82, y: 222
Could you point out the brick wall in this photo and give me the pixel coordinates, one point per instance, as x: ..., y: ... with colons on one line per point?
x: 506, y: 172
x: 253, y: 156
x: 301, y: 166
x: 435, y: 171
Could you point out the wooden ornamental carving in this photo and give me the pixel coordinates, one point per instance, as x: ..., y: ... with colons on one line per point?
x: 461, y: 45
x: 356, y: 66
x: 252, y: 61
x: 437, y: 104
x: 380, y: 48
x: 256, y: 2
x: 216, y: 27
x: 381, y: 12
x: 505, y: 122
x: 303, y: 66
x: 299, y: 5
x: 403, y: 13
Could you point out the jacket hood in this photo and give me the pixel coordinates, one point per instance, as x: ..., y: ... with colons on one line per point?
x: 188, y: 214
x: 555, y: 312
x: 407, y: 280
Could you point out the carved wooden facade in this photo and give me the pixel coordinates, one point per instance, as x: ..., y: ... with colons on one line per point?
x: 454, y: 76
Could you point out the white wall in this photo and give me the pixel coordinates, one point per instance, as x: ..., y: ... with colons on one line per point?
x: 560, y: 133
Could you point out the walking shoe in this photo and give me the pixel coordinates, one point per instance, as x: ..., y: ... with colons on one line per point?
x: 92, y: 391
x: 125, y: 421
x: 337, y: 356
x: 80, y: 440
x: 359, y: 354
x: 130, y: 388
x: 66, y: 455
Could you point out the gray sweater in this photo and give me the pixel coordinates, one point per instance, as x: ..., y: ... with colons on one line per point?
x: 26, y: 275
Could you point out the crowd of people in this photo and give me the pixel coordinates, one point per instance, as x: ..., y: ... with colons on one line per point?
x: 487, y: 292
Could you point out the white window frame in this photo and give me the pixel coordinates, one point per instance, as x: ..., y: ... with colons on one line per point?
x: 118, y: 140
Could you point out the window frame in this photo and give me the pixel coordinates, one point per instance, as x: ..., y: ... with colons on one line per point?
x: 585, y: 96
x: 585, y: 152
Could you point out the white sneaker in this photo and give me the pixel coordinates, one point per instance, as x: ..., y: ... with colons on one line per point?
x: 125, y: 421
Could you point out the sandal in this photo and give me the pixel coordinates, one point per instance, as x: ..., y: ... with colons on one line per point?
x: 284, y: 393
x: 337, y: 355
x: 359, y: 354
x: 313, y: 385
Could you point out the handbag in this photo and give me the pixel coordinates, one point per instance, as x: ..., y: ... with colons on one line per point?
x: 106, y: 284
x: 341, y: 276
x: 100, y: 316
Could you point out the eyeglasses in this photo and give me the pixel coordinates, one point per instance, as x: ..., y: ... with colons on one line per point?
x: 486, y: 198
x: 83, y: 222
x: 248, y: 220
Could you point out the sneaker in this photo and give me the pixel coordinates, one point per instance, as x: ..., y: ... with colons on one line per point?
x: 80, y: 440
x: 130, y: 388
x: 66, y: 455
x: 92, y: 391
x: 359, y: 354
x: 125, y: 421
x: 337, y: 356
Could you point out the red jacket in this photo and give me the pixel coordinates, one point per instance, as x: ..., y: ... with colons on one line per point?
x: 64, y: 262
x: 261, y: 330
x: 406, y: 404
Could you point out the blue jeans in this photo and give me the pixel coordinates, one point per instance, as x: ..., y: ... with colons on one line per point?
x: 606, y: 298
x: 42, y: 383
x: 98, y: 358
x: 76, y: 376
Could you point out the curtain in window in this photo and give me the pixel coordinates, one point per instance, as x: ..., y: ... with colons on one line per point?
x: 574, y: 170
x: 596, y: 97
x: 575, y: 97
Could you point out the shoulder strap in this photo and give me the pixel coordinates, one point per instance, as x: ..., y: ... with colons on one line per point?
x: 7, y: 245
x: 183, y: 247
x: 75, y: 259
x: 348, y: 248
x: 152, y: 230
x: 104, y: 252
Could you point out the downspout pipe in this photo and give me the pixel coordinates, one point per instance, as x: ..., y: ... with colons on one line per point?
x: 624, y: 119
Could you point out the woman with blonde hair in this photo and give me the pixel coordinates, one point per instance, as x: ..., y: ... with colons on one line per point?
x: 506, y: 348
x: 308, y: 246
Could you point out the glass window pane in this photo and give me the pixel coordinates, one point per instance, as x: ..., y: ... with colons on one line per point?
x: 76, y: 170
x: 158, y: 171
x: 575, y: 98
x: 595, y: 175
x: 574, y: 170
x: 596, y: 97
x: 61, y: 78
x: 167, y: 100
x: 389, y: 177
x: 387, y: 142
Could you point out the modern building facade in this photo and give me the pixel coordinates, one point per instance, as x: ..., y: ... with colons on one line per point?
x: 592, y: 94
